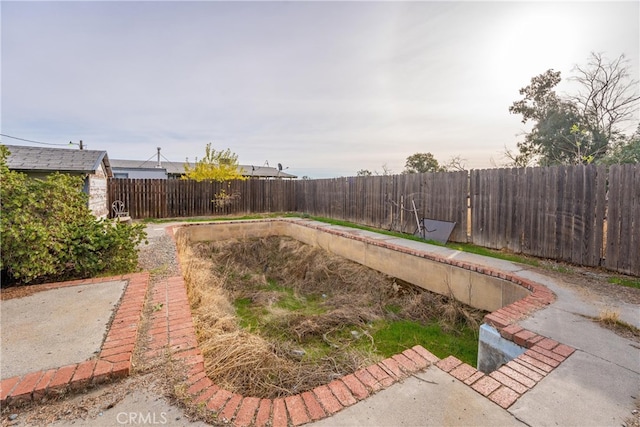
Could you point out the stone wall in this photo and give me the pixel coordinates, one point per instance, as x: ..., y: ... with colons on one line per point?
x: 98, y: 197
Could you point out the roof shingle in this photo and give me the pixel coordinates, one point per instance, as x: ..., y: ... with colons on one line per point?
x: 24, y: 158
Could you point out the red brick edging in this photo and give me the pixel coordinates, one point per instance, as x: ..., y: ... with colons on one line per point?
x: 172, y: 326
x: 113, y: 362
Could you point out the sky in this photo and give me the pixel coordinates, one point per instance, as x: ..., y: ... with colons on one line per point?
x: 323, y: 88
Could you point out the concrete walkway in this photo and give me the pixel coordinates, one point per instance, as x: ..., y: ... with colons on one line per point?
x: 600, y: 382
x: 430, y: 398
x: 57, y: 327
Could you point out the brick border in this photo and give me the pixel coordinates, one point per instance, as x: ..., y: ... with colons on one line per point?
x: 113, y: 362
x: 174, y: 328
x: 509, y: 382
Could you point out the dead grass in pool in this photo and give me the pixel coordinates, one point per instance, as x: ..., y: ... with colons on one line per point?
x: 276, y: 317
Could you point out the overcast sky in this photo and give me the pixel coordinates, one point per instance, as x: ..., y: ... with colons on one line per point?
x: 324, y: 88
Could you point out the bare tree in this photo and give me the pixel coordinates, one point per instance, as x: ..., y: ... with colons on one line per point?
x: 455, y: 164
x: 517, y: 159
x: 386, y: 171
x: 607, y: 97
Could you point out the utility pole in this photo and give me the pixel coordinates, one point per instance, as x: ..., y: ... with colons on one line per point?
x: 79, y: 145
x: 158, y: 165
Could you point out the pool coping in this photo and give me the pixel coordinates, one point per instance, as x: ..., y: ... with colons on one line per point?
x: 503, y: 386
x: 112, y: 363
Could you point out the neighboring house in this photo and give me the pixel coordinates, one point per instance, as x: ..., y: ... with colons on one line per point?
x: 251, y: 171
x: 174, y: 170
x: 92, y: 165
x: 137, y: 169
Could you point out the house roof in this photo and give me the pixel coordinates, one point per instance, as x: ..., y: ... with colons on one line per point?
x: 177, y: 168
x: 135, y: 164
x: 263, y: 172
x: 44, y: 159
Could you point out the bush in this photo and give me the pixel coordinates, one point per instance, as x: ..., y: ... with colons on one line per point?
x: 48, y: 232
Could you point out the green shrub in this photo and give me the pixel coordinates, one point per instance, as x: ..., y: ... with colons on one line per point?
x: 48, y: 232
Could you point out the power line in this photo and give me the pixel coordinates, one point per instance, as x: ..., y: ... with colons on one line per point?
x: 35, y: 142
x: 170, y: 162
x: 143, y: 163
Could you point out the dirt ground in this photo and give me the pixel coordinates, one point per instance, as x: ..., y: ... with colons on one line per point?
x: 591, y: 282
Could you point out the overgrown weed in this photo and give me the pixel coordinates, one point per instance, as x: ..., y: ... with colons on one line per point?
x: 276, y: 317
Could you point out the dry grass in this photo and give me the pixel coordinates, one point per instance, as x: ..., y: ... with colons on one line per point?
x: 450, y: 312
x: 609, y: 317
x: 309, y: 297
x: 234, y: 358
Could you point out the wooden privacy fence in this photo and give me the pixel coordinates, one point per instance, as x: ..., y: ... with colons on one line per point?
x: 555, y: 212
x: 172, y: 198
x: 587, y: 215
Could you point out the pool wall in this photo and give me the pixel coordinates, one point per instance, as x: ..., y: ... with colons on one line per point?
x: 378, y: 252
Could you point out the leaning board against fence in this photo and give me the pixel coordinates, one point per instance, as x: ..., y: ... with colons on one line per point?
x: 388, y: 202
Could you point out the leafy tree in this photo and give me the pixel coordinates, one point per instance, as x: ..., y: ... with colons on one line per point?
x: 364, y: 172
x: 539, y: 97
x: 563, y: 137
x: 577, y: 129
x: 48, y: 232
x: 421, y: 163
x: 221, y: 166
x: 626, y: 150
x: 215, y: 165
x: 553, y: 138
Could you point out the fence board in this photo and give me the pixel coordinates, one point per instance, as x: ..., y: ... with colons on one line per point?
x: 626, y: 223
x: 623, y: 228
x: 577, y: 217
x: 545, y: 207
x: 536, y: 210
x: 635, y: 216
x: 613, y: 217
x: 551, y: 209
x: 599, y: 221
